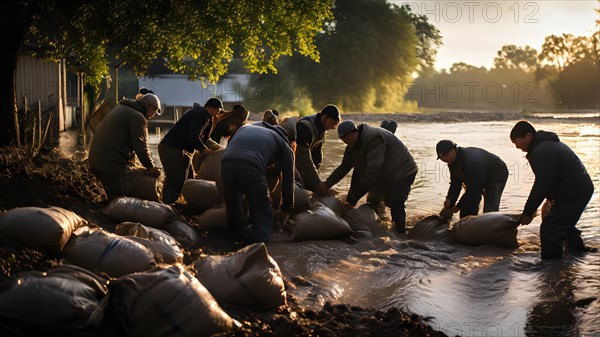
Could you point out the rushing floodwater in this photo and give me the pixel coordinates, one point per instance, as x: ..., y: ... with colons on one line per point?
x: 468, y: 291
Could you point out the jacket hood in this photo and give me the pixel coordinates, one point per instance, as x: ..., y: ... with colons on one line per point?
x: 542, y: 136
x: 133, y: 104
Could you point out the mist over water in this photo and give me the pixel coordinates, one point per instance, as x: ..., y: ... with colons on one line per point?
x: 468, y: 291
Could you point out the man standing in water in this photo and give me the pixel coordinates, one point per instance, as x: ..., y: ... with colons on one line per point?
x: 122, y: 135
x: 561, y: 177
x: 384, y: 163
x: 481, y: 172
x: 309, y: 145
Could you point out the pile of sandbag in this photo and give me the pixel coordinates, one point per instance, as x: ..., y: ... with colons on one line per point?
x: 317, y: 223
x: 144, y: 186
x: 248, y: 277
x: 431, y: 228
x: 363, y: 219
x: 162, y: 245
x: 201, y: 194
x: 210, y: 169
x: 488, y: 228
x: 148, y: 213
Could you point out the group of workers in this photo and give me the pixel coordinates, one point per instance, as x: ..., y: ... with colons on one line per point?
x: 383, y: 167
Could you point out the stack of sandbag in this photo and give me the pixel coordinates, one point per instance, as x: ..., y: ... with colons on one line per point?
x: 100, y: 251
x: 47, y: 228
x: 332, y: 202
x: 148, y: 213
x: 488, y: 228
x: 301, y: 198
x: 201, y: 194
x: 166, y: 302
x: 249, y: 277
x: 215, y: 217
x: 66, y: 300
x: 317, y: 223
x: 210, y: 169
x: 144, y: 186
x: 363, y: 218
x: 162, y: 245
x: 182, y: 232
x: 431, y: 228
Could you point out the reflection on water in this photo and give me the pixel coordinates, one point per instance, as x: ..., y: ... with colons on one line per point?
x: 470, y: 291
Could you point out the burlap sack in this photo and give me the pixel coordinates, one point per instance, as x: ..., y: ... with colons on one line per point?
x: 332, y: 202
x: 201, y: 194
x: 144, y: 186
x: 166, y: 302
x: 431, y: 228
x: 148, y: 213
x: 66, y: 300
x: 301, y: 197
x: 248, y: 277
x: 317, y: 223
x: 488, y: 228
x: 210, y: 169
x: 213, y: 218
x: 363, y: 218
x: 101, y: 251
x: 47, y: 228
x: 164, y: 247
x: 182, y: 232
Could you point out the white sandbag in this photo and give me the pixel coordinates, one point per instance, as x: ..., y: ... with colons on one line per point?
x: 332, y: 202
x: 48, y: 228
x: 363, y: 218
x: 182, y: 232
x: 164, y: 247
x: 214, y: 218
x: 101, y: 251
x: 148, y: 213
x: 66, y: 300
x: 144, y: 186
x: 201, y: 194
x: 210, y: 169
x: 317, y: 223
x: 166, y: 302
x: 249, y: 277
x: 488, y: 228
x: 431, y: 228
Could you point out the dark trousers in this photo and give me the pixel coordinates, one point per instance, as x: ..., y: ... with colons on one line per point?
x: 559, y: 225
x: 244, y: 179
x: 395, y: 199
x: 491, y: 199
x: 176, y: 165
x: 115, y: 185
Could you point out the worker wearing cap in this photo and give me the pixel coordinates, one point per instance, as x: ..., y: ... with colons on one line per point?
x: 384, y: 162
x: 191, y: 132
x: 122, y: 135
x: 481, y: 172
x: 310, y: 137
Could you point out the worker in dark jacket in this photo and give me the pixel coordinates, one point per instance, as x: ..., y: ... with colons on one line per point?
x: 310, y: 136
x: 384, y: 162
x: 122, y: 135
x: 191, y: 132
x: 561, y: 177
x: 481, y: 172
x: 249, y: 153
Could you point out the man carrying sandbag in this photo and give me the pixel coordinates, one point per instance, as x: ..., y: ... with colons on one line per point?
x: 481, y: 172
x: 191, y: 132
x: 122, y: 135
x: 385, y: 162
x: 559, y: 176
x: 249, y: 153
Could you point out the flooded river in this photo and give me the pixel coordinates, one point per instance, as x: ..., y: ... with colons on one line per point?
x: 467, y: 291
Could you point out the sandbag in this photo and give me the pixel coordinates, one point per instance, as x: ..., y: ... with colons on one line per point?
x: 363, y: 218
x: 144, y: 186
x: 431, y: 228
x: 148, y: 213
x: 166, y: 301
x: 162, y: 245
x: 249, y: 277
x: 332, y: 202
x: 64, y: 300
x: 214, y: 218
x: 48, y: 228
x: 182, y: 232
x: 317, y: 223
x: 201, y: 194
x: 210, y: 169
x: 101, y: 251
x: 488, y: 228
x: 301, y: 198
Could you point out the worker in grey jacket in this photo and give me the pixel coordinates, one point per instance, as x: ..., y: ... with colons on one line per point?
x: 122, y: 135
x: 561, y: 177
x: 481, y: 173
x: 384, y: 162
x: 310, y: 137
x: 249, y: 153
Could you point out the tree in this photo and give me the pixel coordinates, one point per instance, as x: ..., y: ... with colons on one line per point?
x: 513, y: 57
x: 196, y: 37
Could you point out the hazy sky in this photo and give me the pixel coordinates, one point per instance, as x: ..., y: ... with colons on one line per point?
x: 473, y: 31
